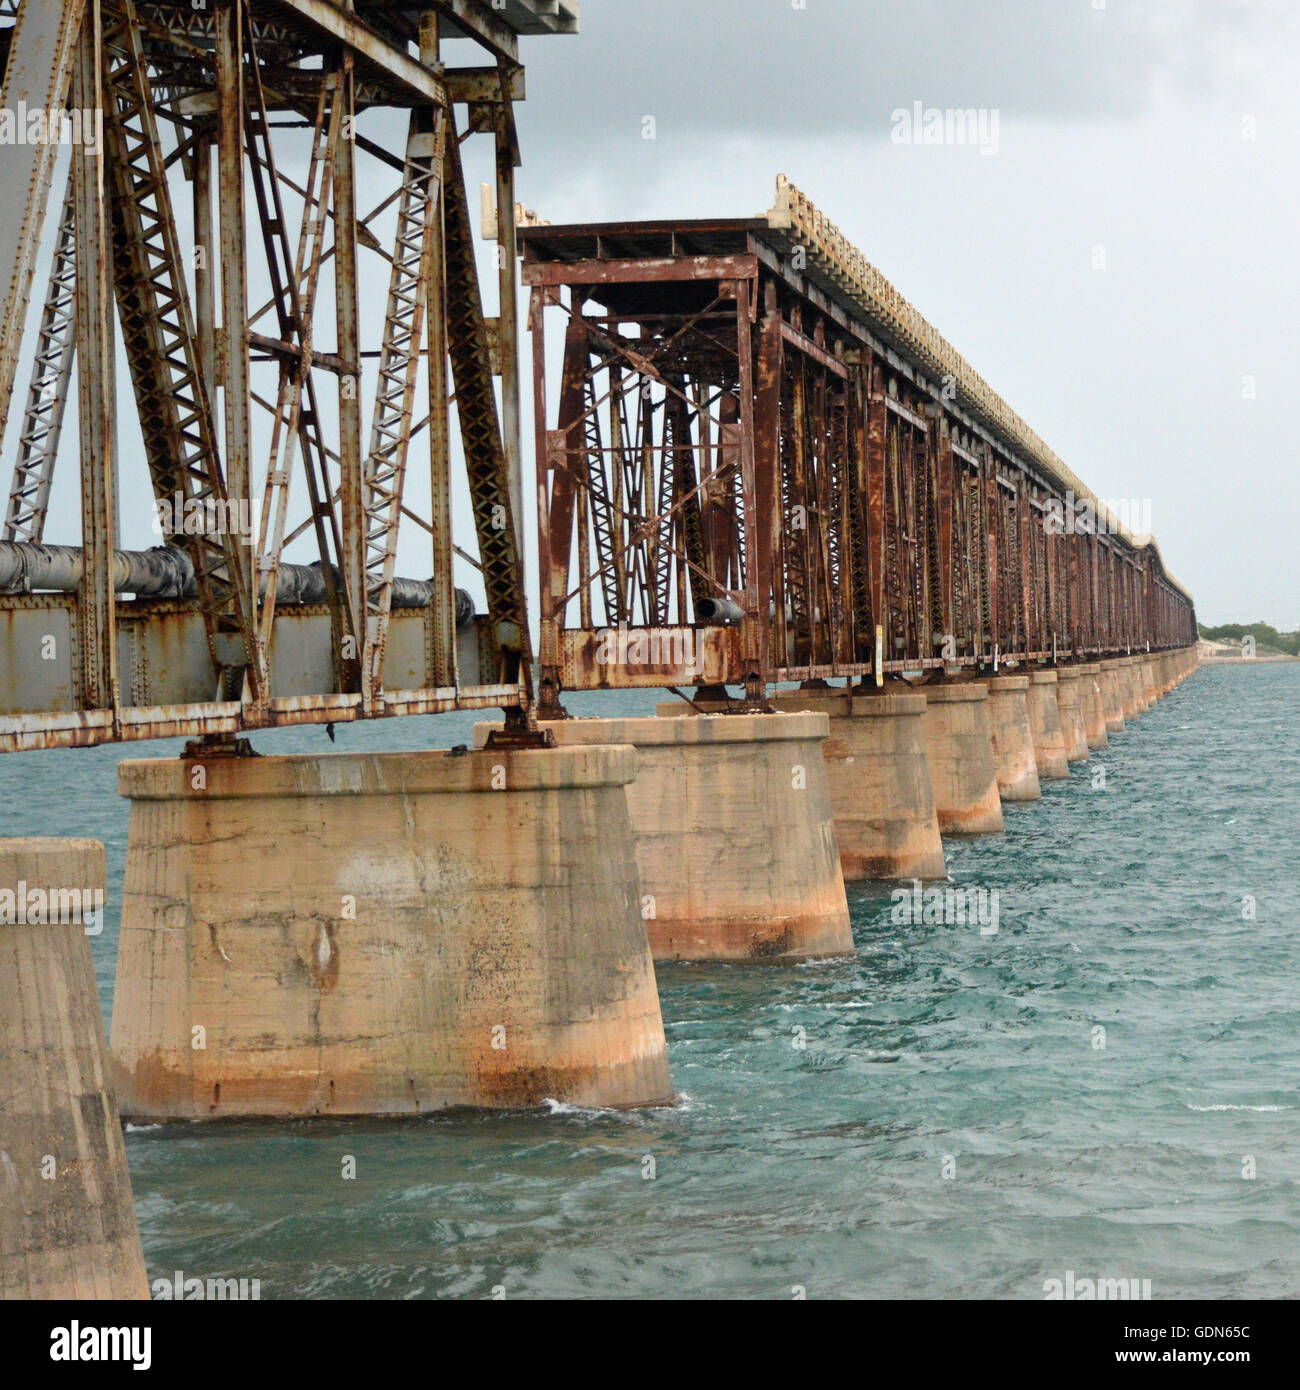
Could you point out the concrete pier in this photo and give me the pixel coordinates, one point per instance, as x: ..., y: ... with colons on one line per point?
x: 1112, y: 699
x: 1134, y: 668
x: 1166, y: 673
x: 879, y: 781
x: 735, y: 837
x: 959, y: 749
x: 67, y: 1224
x: 1127, y: 697
x: 1070, y: 705
x: 1045, y: 721
x: 383, y: 934
x: 1150, y: 687
x: 1094, y: 705
x: 1013, y: 739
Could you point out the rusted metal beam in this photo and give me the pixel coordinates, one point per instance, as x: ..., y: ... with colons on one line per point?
x: 331, y: 22
x: 478, y: 21
x: 637, y: 272
x: 96, y: 608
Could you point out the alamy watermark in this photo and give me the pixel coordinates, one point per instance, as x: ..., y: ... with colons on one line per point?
x: 1086, y: 516
x: 179, y: 515
x: 946, y: 907
x: 192, y: 1289
x: 677, y: 649
x: 35, y: 125
x: 947, y: 125
x: 1102, y: 1289
x: 26, y: 905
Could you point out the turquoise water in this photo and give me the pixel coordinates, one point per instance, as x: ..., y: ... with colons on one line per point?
x: 936, y: 1050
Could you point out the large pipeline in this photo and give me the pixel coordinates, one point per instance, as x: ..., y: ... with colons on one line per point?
x: 166, y: 572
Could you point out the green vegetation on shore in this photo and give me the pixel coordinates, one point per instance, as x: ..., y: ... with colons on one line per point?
x: 1266, y: 637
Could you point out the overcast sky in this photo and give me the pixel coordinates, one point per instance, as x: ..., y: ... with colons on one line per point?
x: 1163, y: 131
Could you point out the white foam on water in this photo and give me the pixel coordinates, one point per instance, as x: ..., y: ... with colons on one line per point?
x: 1268, y: 1109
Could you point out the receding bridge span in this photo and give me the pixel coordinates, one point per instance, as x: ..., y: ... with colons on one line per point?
x: 753, y: 423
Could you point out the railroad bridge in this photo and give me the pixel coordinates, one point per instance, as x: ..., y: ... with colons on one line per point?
x: 759, y: 472
x: 753, y: 422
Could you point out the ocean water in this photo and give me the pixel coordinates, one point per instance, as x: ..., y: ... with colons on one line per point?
x: 952, y: 1126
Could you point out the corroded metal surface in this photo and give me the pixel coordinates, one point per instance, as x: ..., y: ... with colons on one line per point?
x: 751, y: 419
x: 230, y: 393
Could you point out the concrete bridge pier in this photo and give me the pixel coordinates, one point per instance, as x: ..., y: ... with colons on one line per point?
x: 1045, y: 720
x: 1127, y: 703
x: 1070, y: 703
x: 879, y: 781
x: 734, y: 835
x: 959, y: 749
x: 383, y: 934
x: 1094, y: 705
x: 67, y: 1223
x: 1140, y: 701
x: 1168, y: 673
x: 1112, y: 697
x: 1013, y: 739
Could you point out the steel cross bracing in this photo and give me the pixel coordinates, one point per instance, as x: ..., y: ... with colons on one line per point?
x: 158, y: 330
x: 47, y: 395
x: 796, y: 496
x: 216, y: 296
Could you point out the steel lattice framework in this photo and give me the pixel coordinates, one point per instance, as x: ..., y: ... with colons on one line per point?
x: 227, y: 172
x: 767, y: 465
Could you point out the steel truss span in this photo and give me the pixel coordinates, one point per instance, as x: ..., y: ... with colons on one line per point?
x: 293, y: 358
x: 763, y: 465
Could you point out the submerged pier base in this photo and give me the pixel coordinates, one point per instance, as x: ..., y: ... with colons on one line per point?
x: 383, y: 934
x: 1045, y: 720
x: 1013, y: 740
x: 959, y: 748
x: 735, y: 840
x: 67, y: 1223
x: 879, y: 781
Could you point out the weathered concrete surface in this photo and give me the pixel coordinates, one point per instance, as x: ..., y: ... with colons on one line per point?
x: 1112, y: 699
x: 735, y: 839
x: 959, y: 749
x: 1128, y: 690
x: 1094, y: 705
x: 1070, y: 705
x: 1013, y: 740
x: 67, y: 1223
x: 1150, y: 686
x: 1045, y: 721
x: 369, y: 934
x: 879, y: 781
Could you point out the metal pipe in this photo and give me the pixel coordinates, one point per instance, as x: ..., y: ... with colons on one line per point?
x: 718, y: 610
x: 166, y: 572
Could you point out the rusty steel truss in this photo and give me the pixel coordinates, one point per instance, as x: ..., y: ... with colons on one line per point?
x: 763, y: 465
x: 204, y: 229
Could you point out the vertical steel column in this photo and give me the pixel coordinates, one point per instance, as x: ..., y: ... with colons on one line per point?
x: 205, y: 304
x: 764, y: 522
x: 95, y: 602
x: 441, y: 670
x: 508, y: 324
x: 234, y: 284
x: 347, y: 314
x: 754, y: 655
